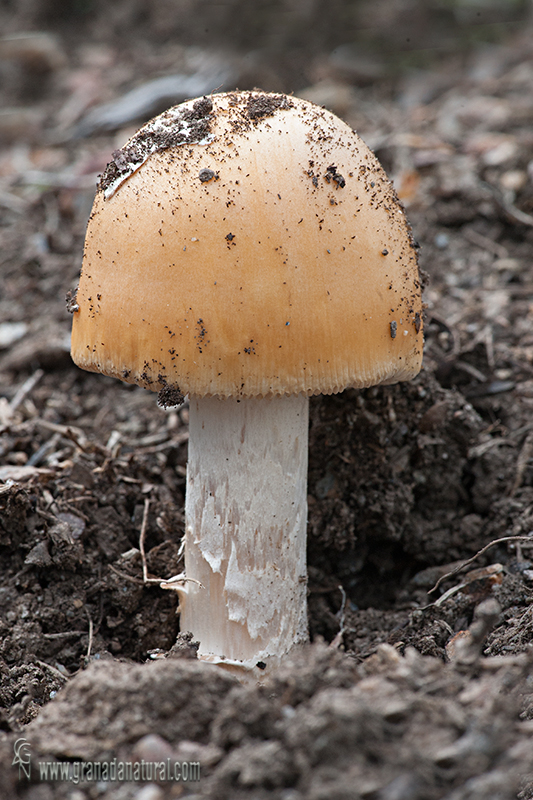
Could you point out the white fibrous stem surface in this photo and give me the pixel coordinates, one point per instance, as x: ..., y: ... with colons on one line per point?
x: 246, y: 518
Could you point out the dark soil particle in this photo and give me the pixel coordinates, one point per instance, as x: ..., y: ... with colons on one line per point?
x: 333, y: 175
x: 206, y: 175
x: 259, y: 106
x: 71, y: 302
x: 170, y: 397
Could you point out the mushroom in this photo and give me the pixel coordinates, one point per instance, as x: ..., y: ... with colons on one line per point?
x: 247, y: 250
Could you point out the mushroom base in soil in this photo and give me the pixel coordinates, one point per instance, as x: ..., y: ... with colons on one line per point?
x: 247, y: 249
x: 246, y: 517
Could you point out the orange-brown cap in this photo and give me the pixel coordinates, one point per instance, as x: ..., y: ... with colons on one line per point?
x: 248, y: 244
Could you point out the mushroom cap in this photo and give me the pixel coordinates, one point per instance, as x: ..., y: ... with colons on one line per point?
x: 248, y: 244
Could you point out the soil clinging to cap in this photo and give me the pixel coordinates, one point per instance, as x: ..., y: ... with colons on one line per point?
x: 259, y: 106
x: 178, y: 125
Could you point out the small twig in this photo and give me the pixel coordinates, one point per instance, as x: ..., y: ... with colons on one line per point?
x: 91, y: 630
x: 51, y: 669
x: 527, y: 540
x: 470, y: 370
x: 46, y: 515
x: 63, y: 634
x: 446, y: 596
x: 175, y: 583
x: 26, y: 388
x: 176, y: 441
x: 488, y: 340
x: 158, y: 440
x: 172, y: 583
x: 142, y: 537
x: 125, y: 575
x: 515, y: 213
x: 44, y: 450
x: 82, y: 498
x: 75, y: 435
x: 521, y: 463
x: 506, y: 201
x: 341, y: 613
x: 342, y: 610
x: 155, y: 581
x: 485, y: 243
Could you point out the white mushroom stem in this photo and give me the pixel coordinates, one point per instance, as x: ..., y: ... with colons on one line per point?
x: 246, y: 518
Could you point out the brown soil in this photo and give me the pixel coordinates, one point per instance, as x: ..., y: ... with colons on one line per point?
x: 406, y: 693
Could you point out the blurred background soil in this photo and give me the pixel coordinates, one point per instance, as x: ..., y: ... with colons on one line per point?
x: 405, y: 693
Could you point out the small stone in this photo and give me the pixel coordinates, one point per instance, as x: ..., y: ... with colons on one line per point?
x: 153, y: 747
x: 39, y: 556
x: 149, y: 792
